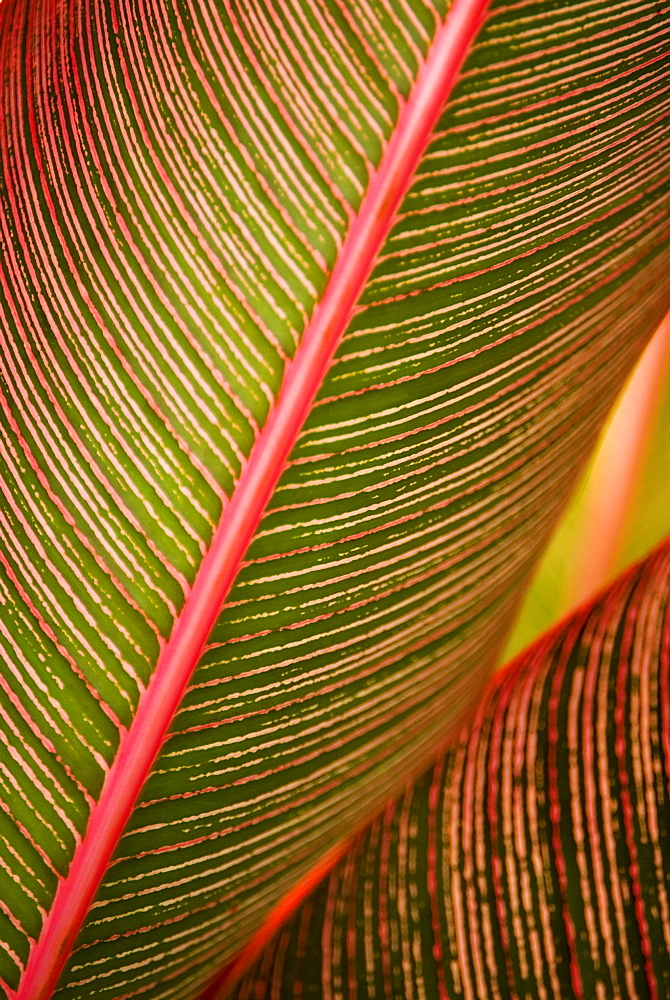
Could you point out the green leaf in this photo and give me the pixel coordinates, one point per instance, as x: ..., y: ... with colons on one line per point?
x: 533, y: 860
x: 196, y: 355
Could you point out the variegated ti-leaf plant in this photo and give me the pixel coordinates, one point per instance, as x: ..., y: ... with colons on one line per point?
x: 311, y: 311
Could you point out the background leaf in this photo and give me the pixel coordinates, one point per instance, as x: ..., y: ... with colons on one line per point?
x: 534, y: 859
x: 178, y: 183
x: 620, y: 509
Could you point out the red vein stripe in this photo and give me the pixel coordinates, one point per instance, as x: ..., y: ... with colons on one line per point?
x: 140, y: 744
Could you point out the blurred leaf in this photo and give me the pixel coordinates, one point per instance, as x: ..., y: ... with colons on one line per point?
x: 621, y: 507
x: 650, y: 514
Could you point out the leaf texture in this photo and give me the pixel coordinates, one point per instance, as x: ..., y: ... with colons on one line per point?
x: 178, y: 184
x: 534, y: 859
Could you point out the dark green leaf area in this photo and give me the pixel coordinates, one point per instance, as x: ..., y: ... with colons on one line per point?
x: 528, y: 37
x: 76, y: 731
x: 231, y: 753
x: 400, y: 472
x: 41, y: 809
x: 546, y: 133
x: 15, y: 951
x: 73, y: 579
x: 23, y: 901
x: 532, y: 861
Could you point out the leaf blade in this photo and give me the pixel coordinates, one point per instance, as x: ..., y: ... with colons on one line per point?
x: 141, y: 742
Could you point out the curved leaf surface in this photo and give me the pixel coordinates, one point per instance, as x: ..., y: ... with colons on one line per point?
x: 534, y: 859
x: 620, y: 510
x: 189, y: 193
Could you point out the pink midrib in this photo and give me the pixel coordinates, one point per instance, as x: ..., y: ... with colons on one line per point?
x: 140, y: 745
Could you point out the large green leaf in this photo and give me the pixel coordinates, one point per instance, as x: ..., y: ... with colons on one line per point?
x: 192, y: 199
x: 534, y: 859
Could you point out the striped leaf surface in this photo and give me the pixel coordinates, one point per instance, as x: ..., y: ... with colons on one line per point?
x: 297, y: 367
x: 534, y: 859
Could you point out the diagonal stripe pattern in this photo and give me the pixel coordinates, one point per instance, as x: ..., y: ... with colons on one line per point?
x: 178, y: 185
x: 532, y: 860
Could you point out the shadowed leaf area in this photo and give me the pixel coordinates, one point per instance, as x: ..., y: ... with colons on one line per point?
x: 534, y: 859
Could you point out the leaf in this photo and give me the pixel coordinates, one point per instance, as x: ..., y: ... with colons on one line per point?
x: 621, y: 505
x: 192, y: 198
x: 534, y: 859
x: 650, y: 515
